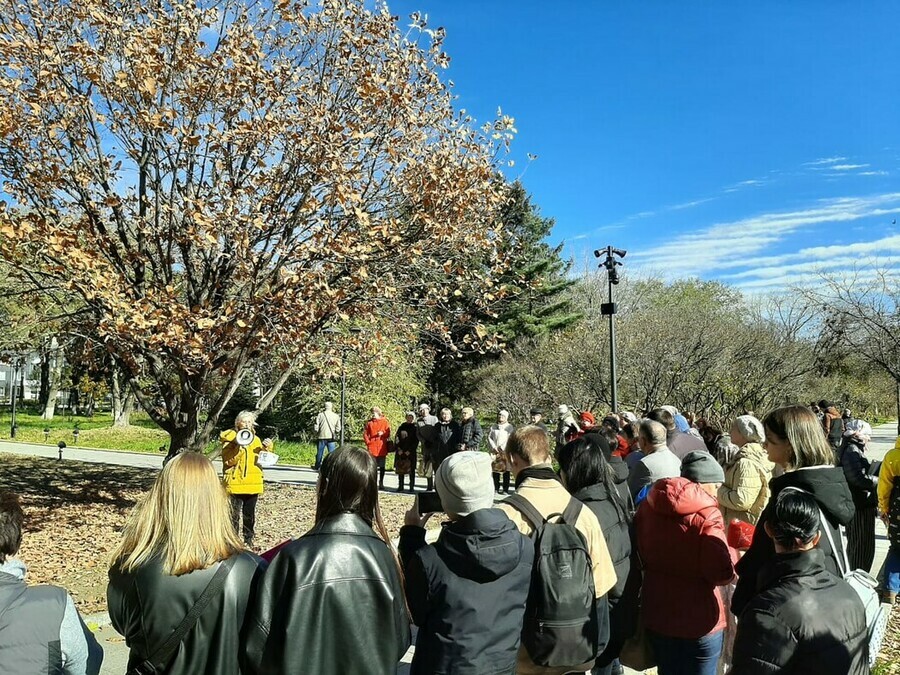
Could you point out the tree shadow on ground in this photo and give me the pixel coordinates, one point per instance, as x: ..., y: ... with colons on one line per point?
x: 45, y: 484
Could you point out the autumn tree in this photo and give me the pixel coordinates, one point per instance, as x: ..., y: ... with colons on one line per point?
x: 213, y: 181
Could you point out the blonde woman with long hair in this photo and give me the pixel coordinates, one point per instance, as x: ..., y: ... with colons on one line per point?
x: 795, y: 442
x: 179, y: 544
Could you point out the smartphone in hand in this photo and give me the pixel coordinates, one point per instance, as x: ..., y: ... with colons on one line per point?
x: 429, y: 502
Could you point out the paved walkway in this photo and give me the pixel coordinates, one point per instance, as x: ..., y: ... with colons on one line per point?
x: 116, y: 653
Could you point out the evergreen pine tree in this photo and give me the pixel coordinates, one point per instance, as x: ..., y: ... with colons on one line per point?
x: 534, y: 301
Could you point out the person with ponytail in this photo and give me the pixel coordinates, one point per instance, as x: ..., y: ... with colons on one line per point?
x: 332, y: 602
x: 803, y: 620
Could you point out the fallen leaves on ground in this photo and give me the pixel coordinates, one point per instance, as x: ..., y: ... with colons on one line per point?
x: 75, y: 513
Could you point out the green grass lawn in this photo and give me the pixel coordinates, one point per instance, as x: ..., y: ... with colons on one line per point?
x: 142, y: 436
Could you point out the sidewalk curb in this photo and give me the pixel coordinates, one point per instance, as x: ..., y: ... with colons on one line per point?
x: 12, y: 441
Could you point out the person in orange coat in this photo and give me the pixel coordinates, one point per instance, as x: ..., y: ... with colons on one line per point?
x: 377, y: 436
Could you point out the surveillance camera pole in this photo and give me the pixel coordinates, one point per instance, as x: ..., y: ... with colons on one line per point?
x: 612, y: 350
x: 609, y: 309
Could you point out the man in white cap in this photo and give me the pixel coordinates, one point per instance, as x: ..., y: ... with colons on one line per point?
x: 467, y: 591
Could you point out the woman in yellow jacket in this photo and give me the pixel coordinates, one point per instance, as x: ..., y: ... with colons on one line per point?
x: 889, y: 507
x: 243, y: 475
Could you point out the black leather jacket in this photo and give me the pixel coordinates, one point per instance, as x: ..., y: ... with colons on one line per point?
x: 330, y: 603
x: 147, y: 605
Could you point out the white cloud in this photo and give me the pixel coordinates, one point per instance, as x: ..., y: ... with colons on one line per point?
x: 689, y: 205
x: 736, y: 244
x: 823, y: 254
x: 846, y: 167
x: 825, y: 160
x: 872, y: 173
x: 753, y: 182
x: 812, y: 274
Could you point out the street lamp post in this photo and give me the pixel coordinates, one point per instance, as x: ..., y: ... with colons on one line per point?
x: 609, y: 309
x: 343, y: 391
x: 344, y: 348
x: 14, y: 398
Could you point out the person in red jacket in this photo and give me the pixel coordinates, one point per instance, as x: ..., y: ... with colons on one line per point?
x: 681, y: 540
x: 377, y: 436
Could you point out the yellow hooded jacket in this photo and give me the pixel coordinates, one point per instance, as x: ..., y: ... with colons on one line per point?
x: 243, y: 475
x: 890, y: 469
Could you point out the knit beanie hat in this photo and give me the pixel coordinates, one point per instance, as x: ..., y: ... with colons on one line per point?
x: 464, y: 482
x: 701, y: 467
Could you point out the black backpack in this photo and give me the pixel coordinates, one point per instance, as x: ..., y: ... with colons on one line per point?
x: 561, y: 626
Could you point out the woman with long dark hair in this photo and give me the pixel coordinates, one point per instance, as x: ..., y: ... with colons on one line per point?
x: 333, y: 601
x: 795, y: 442
x: 586, y: 470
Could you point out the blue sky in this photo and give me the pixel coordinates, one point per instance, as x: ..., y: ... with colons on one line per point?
x: 755, y: 143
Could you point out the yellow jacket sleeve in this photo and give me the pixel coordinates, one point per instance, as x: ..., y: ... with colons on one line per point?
x: 890, y: 468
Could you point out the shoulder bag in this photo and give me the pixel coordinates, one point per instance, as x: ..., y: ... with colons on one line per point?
x: 159, y: 660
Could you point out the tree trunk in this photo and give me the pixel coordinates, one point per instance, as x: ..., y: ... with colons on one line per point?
x: 44, y: 391
x: 115, y: 393
x: 55, y: 362
x: 123, y: 416
x: 122, y: 400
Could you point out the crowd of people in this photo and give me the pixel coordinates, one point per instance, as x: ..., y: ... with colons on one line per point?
x: 655, y: 541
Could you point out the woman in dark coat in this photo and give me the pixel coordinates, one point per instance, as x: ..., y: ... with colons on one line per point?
x: 332, y: 601
x: 794, y: 441
x: 863, y: 486
x: 589, y: 476
x: 803, y: 619
x: 175, y: 542
x: 405, y: 457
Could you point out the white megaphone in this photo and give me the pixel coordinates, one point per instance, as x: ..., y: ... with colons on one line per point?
x: 244, y: 437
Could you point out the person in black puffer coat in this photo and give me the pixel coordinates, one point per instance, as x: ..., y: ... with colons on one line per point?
x: 794, y: 441
x: 467, y: 592
x: 600, y: 482
x: 856, y: 467
x: 803, y: 619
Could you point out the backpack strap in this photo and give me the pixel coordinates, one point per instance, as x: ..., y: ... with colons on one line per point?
x: 572, y: 512
x: 526, y: 508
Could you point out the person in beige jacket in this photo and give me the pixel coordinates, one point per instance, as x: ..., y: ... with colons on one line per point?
x: 745, y: 492
x: 528, y: 450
